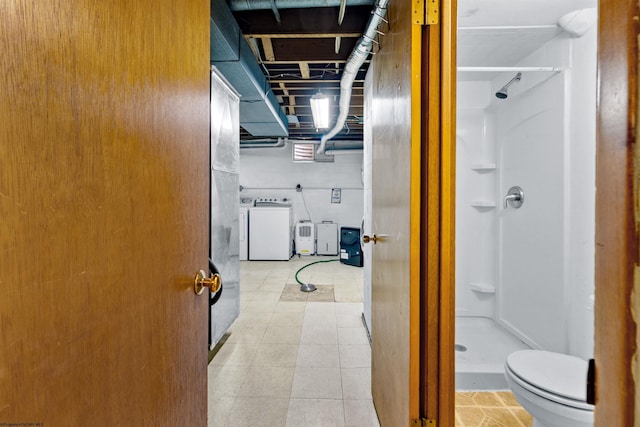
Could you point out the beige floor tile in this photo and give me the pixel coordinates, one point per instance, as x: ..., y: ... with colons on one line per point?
x: 265, y: 296
x: 287, y: 318
x: 246, y: 334
x: 267, y: 381
x: 315, y: 413
x: 282, y: 335
x: 324, y: 320
x: 270, y: 354
x: 318, y: 356
x: 319, y: 334
x: 345, y: 320
x: 235, y: 354
x: 487, y: 399
x: 348, y: 293
x: 360, y: 413
x: 218, y: 410
x: 349, y: 308
x: 523, y: 416
x: 500, y: 417
x: 323, y: 293
x: 356, y: 383
x: 249, y: 318
x: 352, y: 336
x: 321, y: 307
x: 355, y: 356
x: 258, y: 411
x: 296, y: 296
x: 290, y: 307
x: 317, y: 383
x: 226, y: 381
x: 261, y: 306
x: 470, y: 416
x: 508, y: 398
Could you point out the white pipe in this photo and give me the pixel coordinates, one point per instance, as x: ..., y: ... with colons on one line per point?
x: 499, y: 69
x: 338, y: 151
x: 358, y: 56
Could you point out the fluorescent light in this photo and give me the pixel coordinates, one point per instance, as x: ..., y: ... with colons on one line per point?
x: 320, y: 110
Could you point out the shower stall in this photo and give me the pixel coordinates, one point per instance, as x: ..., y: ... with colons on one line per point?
x: 525, y: 189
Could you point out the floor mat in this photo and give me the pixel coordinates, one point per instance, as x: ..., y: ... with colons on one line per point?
x: 323, y: 293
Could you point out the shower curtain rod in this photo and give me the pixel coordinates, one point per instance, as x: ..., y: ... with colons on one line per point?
x: 496, y: 69
x: 511, y: 27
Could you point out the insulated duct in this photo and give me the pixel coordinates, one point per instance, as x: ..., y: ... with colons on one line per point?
x: 260, y: 113
x: 358, y: 56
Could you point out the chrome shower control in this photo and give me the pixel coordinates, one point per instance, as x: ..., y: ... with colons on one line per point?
x: 514, y: 197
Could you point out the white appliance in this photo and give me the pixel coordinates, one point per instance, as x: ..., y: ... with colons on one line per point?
x: 243, y: 234
x: 327, y: 243
x: 270, y: 233
x: 305, y: 238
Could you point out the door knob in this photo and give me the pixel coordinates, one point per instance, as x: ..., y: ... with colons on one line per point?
x: 367, y: 239
x: 201, y: 281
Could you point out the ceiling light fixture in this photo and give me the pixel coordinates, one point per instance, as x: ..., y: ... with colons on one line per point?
x: 320, y: 110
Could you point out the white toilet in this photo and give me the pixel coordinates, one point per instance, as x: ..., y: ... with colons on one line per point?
x: 552, y: 387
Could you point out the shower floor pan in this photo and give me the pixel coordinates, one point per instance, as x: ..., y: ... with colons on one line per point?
x: 482, y: 347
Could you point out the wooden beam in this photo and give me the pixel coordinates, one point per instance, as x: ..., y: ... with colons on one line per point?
x: 292, y: 100
x: 268, y: 49
x: 303, y: 36
x: 313, y: 49
x: 304, y: 70
x: 312, y: 61
x: 301, y: 21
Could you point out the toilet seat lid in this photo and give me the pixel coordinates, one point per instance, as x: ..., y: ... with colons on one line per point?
x: 556, y: 373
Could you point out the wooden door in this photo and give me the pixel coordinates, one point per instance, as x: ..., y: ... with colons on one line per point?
x: 617, y: 213
x: 412, y: 195
x: 103, y: 204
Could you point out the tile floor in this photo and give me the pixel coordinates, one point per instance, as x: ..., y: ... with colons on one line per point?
x: 299, y: 359
x: 293, y: 358
x: 496, y: 409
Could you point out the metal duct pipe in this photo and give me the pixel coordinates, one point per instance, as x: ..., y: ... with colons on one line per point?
x: 242, y: 5
x: 265, y: 143
x: 358, y: 56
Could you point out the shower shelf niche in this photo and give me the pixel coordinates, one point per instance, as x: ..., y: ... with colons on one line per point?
x: 483, y: 288
x: 483, y: 167
x: 483, y: 204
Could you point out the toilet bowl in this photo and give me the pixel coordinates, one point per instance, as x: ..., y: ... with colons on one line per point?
x: 552, y: 387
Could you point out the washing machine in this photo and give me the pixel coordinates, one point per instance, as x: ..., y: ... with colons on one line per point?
x: 270, y: 233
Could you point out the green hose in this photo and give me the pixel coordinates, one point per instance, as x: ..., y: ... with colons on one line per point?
x: 309, y: 265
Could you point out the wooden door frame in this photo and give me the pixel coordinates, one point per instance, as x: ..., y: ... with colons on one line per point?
x: 438, y: 161
x: 616, y: 256
x: 617, y: 207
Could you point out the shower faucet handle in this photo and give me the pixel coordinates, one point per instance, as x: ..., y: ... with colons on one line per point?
x: 514, y: 197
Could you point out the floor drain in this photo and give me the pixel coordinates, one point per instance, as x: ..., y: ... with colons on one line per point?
x: 460, y: 347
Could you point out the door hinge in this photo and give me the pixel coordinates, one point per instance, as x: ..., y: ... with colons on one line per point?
x: 423, y: 422
x: 426, y: 12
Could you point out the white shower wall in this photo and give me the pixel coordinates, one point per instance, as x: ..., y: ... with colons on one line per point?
x: 485, y: 124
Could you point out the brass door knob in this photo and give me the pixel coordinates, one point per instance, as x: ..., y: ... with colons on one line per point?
x: 201, y: 281
x: 367, y: 239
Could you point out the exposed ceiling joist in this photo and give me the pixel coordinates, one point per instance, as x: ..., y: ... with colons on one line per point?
x: 306, y: 53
